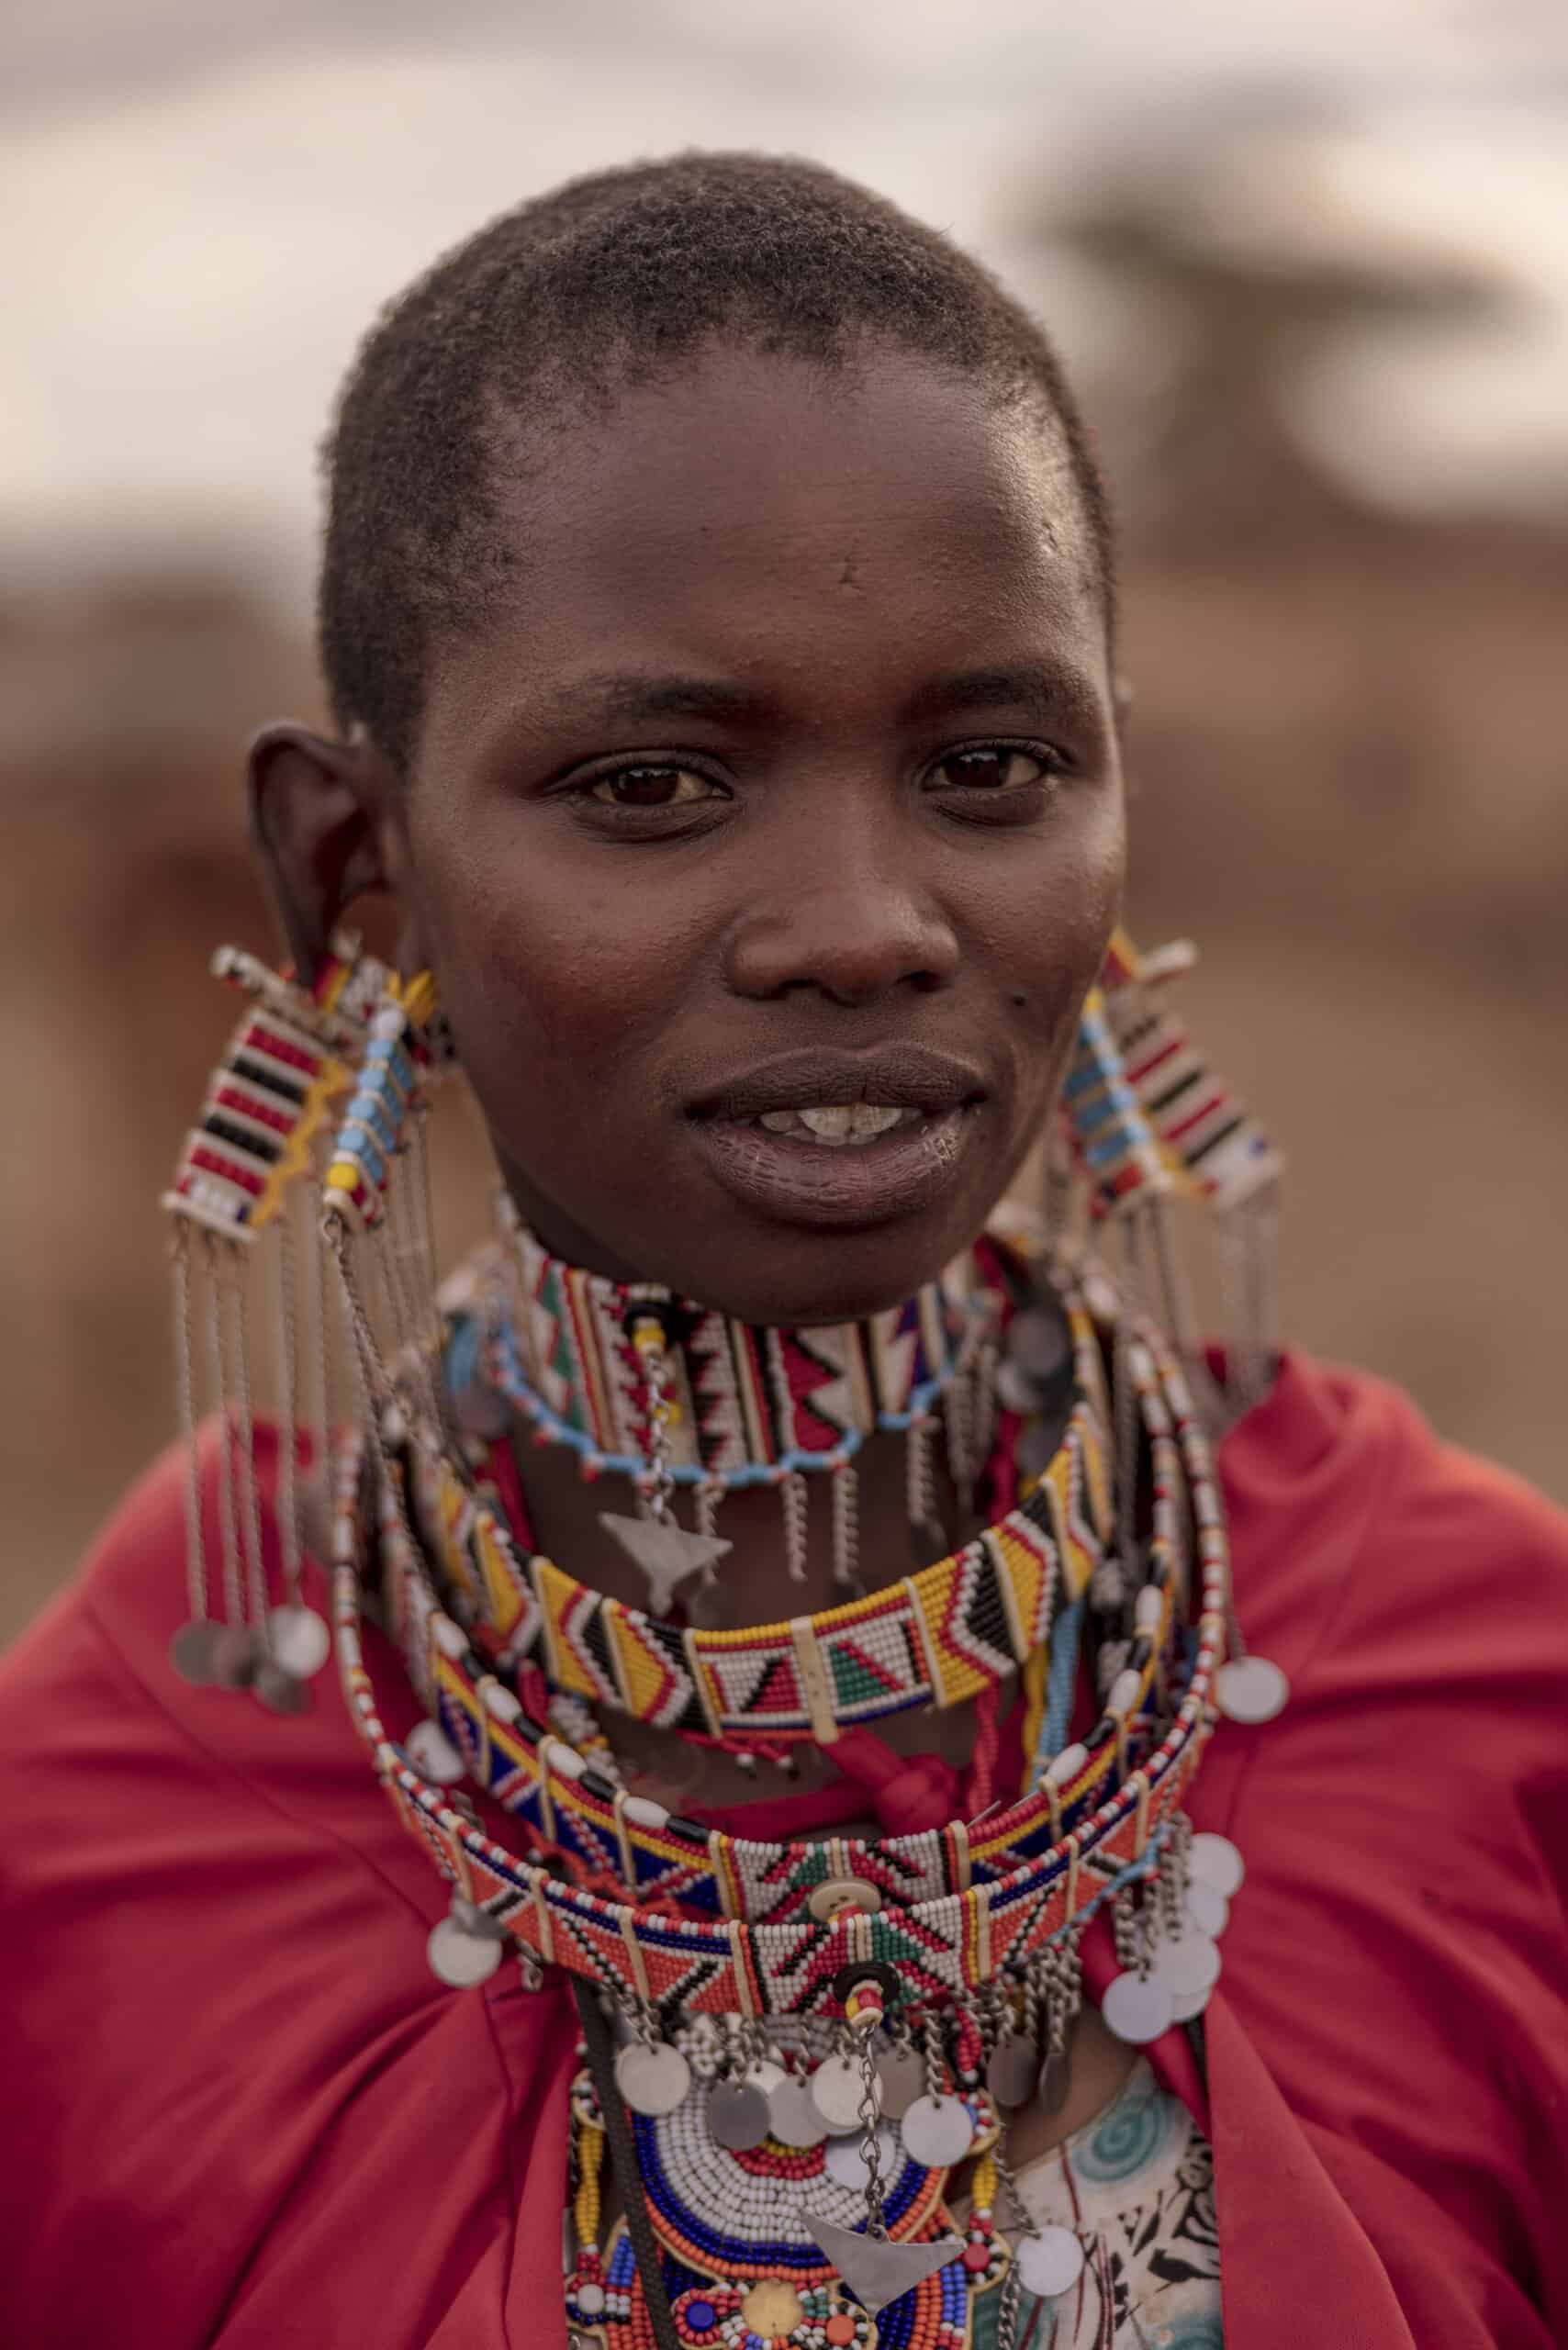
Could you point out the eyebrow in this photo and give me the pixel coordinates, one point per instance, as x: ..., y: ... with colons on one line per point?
x: 622, y: 699
x: 1052, y: 692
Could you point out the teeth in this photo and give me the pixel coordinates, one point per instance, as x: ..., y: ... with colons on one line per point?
x: 837, y: 1123
x: 866, y: 1120
x: 832, y: 1125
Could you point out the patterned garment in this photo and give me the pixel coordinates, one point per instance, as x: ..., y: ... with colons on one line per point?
x: 1137, y: 2183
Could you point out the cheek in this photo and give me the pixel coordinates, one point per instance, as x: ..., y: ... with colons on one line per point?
x: 551, y: 989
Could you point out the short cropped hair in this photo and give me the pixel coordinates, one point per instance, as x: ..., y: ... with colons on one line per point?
x: 543, y: 313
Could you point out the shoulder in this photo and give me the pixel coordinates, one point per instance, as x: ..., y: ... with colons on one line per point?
x: 1354, y: 1524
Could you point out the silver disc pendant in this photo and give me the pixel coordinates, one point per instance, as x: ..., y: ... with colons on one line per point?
x: 1207, y: 1908
x: 738, y: 2116
x: 459, y: 1958
x: 1191, y: 1962
x: 1049, y: 2262
x: 1056, y: 2079
x: 280, y: 1691
x: 837, y: 2091
x: 903, y: 2075
x: 1137, y: 2007
x: 1038, y: 1342
x: 300, y: 1641
x: 1251, y: 1689
x: 937, y: 2131
x: 652, y: 2080
x: 1185, y: 2005
x: 1215, y: 1860
x: 795, y: 2117
x: 234, y: 1657
x: 193, y: 1652
x: 844, y: 2161
x: 431, y: 1753
x: 1014, y: 2069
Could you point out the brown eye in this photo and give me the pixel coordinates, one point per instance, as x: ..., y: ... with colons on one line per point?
x: 993, y: 767
x: 650, y: 787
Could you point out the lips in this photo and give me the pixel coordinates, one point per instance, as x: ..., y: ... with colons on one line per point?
x: 829, y: 1171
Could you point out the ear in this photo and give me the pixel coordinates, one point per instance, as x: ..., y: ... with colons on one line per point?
x: 318, y: 809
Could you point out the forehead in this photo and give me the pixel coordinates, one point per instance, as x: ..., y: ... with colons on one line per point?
x: 785, y: 521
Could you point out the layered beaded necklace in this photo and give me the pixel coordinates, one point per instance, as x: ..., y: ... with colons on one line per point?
x: 791, y: 2046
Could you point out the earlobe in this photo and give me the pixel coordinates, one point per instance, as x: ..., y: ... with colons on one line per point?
x: 316, y: 808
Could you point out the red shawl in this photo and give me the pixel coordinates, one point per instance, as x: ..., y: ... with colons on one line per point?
x: 240, y: 2109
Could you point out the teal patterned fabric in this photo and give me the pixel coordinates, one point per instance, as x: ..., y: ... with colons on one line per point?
x: 1136, y: 2186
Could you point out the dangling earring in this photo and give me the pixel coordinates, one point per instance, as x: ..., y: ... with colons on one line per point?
x: 245, y: 1165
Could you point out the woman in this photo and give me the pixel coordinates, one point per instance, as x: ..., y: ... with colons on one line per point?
x: 792, y: 1620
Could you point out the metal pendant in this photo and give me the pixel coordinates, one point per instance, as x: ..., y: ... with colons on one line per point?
x: 653, y: 2077
x: 838, y: 2092
x: 280, y: 1691
x: 1215, y: 1860
x: 1185, y: 2005
x: 1056, y: 2079
x: 1207, y: 1908
x: 431, y: 1753
x: 193, y: 1651
x: 1251, y: 1689
x: 1049, y: 2261
x: 876, y: 2270
x: 844, y: 2161
x: 1013, y: 2068
x: 1191, y: 1963
x: 937, y: 2131
x: 738, y: 2115
x: 300, y: 1641
x: 234, y: 1657
x: 1038, y: 1342
x: 902, y: 2076
x: 666, y: 1552
x: 460, y: 1954
x: 1137, y: 2007
x: 795, y: 2117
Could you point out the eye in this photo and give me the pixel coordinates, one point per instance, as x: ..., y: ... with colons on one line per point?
x: 991, y: 766
x: 650, y: 787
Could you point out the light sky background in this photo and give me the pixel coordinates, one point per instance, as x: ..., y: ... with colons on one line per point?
x: 201, y: 208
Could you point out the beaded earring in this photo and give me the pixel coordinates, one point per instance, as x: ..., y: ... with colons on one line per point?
x: 242, y: 1182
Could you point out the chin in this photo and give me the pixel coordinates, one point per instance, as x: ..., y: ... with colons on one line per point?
x: 801, y: 1278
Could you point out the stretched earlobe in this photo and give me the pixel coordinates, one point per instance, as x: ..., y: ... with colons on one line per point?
x: 314, y: 809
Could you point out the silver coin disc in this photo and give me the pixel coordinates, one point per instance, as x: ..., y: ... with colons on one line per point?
x: 1191, y: 1963
x: 1056, y: 2079
x: 652, y: 2080
x: 1137, y: 2007
x: 1049, y: 2262
x: 738, y: 2116
x: 1207, y: 1908
x: 765, y: 2074
x: 1215, y: 1860
x: 837, y: 2091
x: 1251, y: 1689
x: 903, y: 2075
x: 431, y: 1753
x: 937, y: 2131
x: 797, y: 2122
x: 1038, y: 1342
x: 1014, y: 2069
x: 844, y: 2161
x: 234, y: 1657
x: 299, y: 1639
x: 193, y: 1651
x: 282, y: 1691
x: 459, y: 1958
x: 1185, y: 2005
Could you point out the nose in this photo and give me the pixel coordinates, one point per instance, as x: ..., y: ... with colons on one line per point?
x: 846, y: 913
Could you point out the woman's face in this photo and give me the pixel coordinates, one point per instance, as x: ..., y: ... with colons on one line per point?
x: 787, y: 783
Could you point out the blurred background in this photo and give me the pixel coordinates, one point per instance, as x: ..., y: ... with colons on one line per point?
x: 1311, y: 269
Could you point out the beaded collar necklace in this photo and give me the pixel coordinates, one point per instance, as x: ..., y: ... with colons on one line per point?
x: 939, y: 1637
